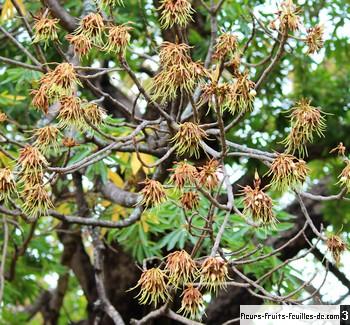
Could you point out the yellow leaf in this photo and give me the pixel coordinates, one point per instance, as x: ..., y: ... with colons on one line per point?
x: 118, y: 211
x: 8, y: 9
x: 115, y: 178
x: 105, y: 203
x: 64, y: 208
x: 135, y: 163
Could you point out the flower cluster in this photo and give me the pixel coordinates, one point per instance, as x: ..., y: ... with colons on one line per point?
x: 153, y: 288
x: 314, y: 39
x: 54, y: 85
x: 47, y: 139
x: 179, y: 272
x: 287, y: 171
x: 188, y: 139
x: 30, y: 168
x: 7, y: 184
x: 213, y: 274
x: 183, y: 173
x: 118, y: 39
x: 237, y: 97
x: 180, y: 268
x: 226, y: 46
x: 153, y: 193
x: 241, y: 95
x: 175, y: 12
x: 289, y: 16
x: 336, y: 246
x: 178, y: 73
x: 258, y: 204
x: 45, y: 29
x: 92, y: 31
x: 192, y: 303
x: 344, y: 177
x: 305, y: 121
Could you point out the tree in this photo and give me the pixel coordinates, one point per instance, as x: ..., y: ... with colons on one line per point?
x: 155, y: 152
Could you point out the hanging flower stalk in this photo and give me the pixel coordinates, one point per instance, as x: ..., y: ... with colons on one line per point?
x: 94, y: 114
x: 188, y: 139
x: 190, y: 200
x: 336, y: 246
x: 226, y: 46
x: 175, y: 12
x: 314, y: 39
x: 306, y: 120
x: 31, y: 164
x: 45, y: 29
x: 178, y: 74
x: 153, y: 193
x: 153, y: 288
x: 91, y: 26
x: 214, y: 274
x: 7, y: 184
x: 36, y: 201
x: 81, y: 43
x: 289, y: 16
x: 47, y: 139
x: 71, y: 113
x: 258, y: 204
x: 208, y: 175
x: 192, y: 304
x: 287, y: 172
x: 118, y: 39
x: 240, y: 95
x: 180, y: 268
x: 183, y: 173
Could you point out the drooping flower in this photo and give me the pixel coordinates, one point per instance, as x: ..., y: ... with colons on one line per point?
x: 61, y: 81
x: 36, y: 201
x: 30, y: 165
x: 91, y: 26
x: 208, y: 175
x: 344, y: 177
x: 7, y: 184
x: 314, y: 39
x: 174, y: 53
x: 213, y: 274
x: 241, y: 95
x: 188, y: 139
x: 3, y: 117
x: 190, y: 200
x: 175, y: 12
x: 289, y: 16
x: 153, y: 288
x: 45, y: 29
x: 118, y: 39
x: 40, y: 99
x: 69, y: 142
x: 180, y: 268
x: 215, y: 93
x: 287, y: 171
x: 94, y: 114
x: 153, y: 193
x: 305, y: 121
x: 226, y: 46
x: 47, y: 139
x: 176, y: 78
x: 182, y: 173
x: 71, y: 113
x: 339, y: 149
x: 192, y: 303
x: 81, y: 43
x: 336, y: 246
x: 258, y: 204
